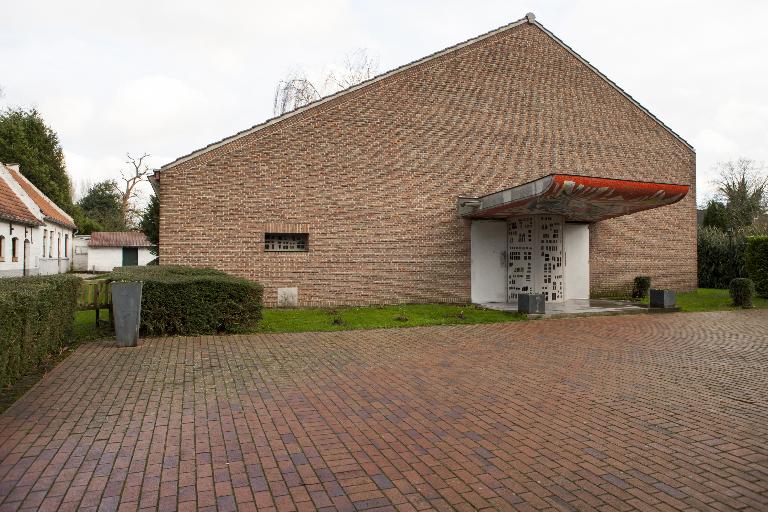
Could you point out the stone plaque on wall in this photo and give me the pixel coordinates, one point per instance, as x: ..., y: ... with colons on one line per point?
x: 287, y: 297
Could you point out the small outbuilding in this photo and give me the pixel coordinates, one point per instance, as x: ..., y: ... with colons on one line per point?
x: 102, y: 251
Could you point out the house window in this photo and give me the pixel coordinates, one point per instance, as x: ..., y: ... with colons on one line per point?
x: 286, y: 242
x: 2, y: 248
x: 14, y: 249
x: 66, y: 246
x: 58, y: 246
x: 50, y: 245
x: 45, y: 241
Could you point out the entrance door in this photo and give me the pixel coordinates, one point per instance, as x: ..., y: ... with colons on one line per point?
x: 577, y: 261
x: 521, y: 239
x: 488, y: 254
x: 536, y: 256
x: 130, y: 256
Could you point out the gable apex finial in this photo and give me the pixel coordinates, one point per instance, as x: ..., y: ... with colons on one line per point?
x: 531, y: 17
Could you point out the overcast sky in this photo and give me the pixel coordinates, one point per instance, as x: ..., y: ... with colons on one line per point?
x: 168, y: 77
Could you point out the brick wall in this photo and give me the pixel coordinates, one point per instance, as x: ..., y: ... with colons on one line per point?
x: 373, y: 176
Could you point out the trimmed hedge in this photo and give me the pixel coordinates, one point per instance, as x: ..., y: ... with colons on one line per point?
x: 741, y: 291
x: 640, y: 287
x: 720, y: 258
x: 756, y: 257
x: 37, y: 315
x: 184, y: 300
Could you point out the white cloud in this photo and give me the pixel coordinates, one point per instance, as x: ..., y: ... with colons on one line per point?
x: 170, y: 76
x: 70, y: 114
x: 155, y: 106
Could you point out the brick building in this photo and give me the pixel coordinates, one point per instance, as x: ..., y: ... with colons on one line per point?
x: 501, y: 165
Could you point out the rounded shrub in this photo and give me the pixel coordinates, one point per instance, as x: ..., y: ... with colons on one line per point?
x: 640, y: 287
x: 757, y: 263
x: 741, y: 291
x: 184, y: 300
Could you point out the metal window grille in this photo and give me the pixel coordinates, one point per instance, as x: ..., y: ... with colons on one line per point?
x: 286, y: 242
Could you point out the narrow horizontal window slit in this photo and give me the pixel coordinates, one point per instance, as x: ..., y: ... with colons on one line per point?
x: 286, y: 242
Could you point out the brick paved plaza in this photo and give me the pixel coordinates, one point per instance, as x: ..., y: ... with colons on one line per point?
x: 649, y: 412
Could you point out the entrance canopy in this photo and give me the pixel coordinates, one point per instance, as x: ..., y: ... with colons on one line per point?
x: 577, y: 198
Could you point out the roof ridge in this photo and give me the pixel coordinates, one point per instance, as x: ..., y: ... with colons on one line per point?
x: 529, y: 18
x: 325, y: 99
x: 610, y: 82
x: 16, y: 174
x: 44, y: 197
x: 18, y: 195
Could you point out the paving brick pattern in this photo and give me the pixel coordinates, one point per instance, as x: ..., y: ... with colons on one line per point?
x: 663, y: 412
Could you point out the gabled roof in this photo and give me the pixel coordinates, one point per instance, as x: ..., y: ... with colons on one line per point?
x: 50, y: 211
x: 529, y: 18
x: 119, y: 239
x: 12, y: 207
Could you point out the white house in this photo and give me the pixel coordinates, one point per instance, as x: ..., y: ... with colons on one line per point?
x: 102, y: 251
x: 35, y: 234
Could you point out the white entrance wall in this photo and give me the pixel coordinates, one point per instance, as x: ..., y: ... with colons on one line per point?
x: 488, y: 254
x: 577, y: 261
x: 530, y: 254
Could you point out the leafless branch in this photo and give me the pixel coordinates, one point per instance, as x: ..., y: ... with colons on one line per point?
x: 297, y: 90
x: 742, y: 185
x: 137, y: 173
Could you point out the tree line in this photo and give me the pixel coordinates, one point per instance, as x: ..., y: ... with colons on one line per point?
x: 738, y: 210
x: 108, y: 205
x: 741, y: 196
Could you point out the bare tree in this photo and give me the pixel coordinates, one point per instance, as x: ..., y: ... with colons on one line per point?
x: 742, y: 186
x: 358, y: 67
x: 298, y: 90
x: 294, y: 92
x: 137, y: 173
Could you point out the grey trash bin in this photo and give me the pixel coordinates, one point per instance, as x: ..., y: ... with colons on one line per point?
x: 663, y: 299
x: 126, y: 306
x: 530, y: 303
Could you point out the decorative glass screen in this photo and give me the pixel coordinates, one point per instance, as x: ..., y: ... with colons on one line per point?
x: 286, y: 242
x: 535, y: 248
x: 520, y: 239
x: 550, y: 280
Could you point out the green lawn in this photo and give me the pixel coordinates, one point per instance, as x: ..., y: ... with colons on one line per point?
x: 408, y: 315
x: 710, y: 299
x: 85, y: 326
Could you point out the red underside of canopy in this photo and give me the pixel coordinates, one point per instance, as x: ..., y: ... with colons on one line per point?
x: 577, y: 198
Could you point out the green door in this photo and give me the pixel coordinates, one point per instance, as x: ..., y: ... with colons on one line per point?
x: 130, y: 256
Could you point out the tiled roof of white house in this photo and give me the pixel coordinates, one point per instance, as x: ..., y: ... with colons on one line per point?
x: 119, y: 239
x: 23, y: 202
x: 12, y: 207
